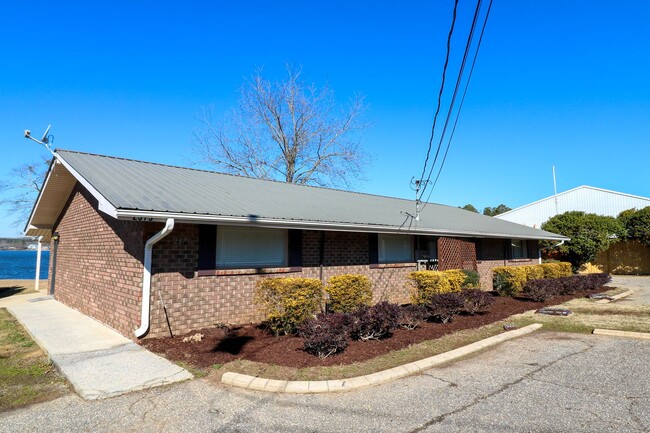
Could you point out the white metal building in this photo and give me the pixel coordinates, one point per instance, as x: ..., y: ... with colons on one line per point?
x: 583, y: 198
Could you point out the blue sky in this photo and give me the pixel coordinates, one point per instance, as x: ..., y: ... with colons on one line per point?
x: 556, y: 83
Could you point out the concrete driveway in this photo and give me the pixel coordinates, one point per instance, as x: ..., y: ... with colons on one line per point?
x: 540, y: 383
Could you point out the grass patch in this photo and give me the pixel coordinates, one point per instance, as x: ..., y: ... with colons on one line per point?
x: 412, y: 353
x: 26, y: 375
x: 196, y: 372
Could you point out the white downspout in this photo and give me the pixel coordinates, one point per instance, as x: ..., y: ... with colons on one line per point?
x: 38, y: 264
x: 146, y: 276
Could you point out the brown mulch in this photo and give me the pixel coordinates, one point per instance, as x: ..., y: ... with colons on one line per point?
x: 221, y: 345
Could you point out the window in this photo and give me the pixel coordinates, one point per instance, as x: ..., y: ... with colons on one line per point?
x: 426, y: 248
x: 242, y: 247
x: 519, y: 249
x: 395, y: 248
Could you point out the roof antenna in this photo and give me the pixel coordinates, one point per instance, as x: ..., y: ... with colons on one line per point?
x: 415, y: 186
x: 44, y: 141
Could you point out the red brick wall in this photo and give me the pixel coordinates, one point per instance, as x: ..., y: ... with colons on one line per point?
x: 194, y: 302
x: 96, y: 274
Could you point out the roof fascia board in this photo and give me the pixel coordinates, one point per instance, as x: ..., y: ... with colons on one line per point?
x: 135, y: 215
x: 103, y: 204
x: 50, y: 170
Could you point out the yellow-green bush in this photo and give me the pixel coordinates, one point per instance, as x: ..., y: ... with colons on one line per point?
x: 510, y: 280
x: 288, y: 302
x: 556, y: 269
x: 425, y: 284
x: 348, y: 292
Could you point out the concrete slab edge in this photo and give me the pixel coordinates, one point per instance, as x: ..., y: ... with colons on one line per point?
x: 616, y: 333
x: 615, y: 297
x: 322, y: 386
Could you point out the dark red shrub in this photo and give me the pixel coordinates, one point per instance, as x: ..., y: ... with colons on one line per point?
x: 445, y: 306
x: 411, y: 316
x: 376, y: 322
x: 476, y: 301
x: 325, y: 335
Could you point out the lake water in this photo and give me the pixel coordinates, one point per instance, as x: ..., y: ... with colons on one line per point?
x: 21, y: 265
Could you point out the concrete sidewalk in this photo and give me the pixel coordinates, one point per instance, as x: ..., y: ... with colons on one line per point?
x: 98, y: 361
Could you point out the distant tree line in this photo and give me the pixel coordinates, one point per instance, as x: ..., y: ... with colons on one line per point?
x: 489, y: 211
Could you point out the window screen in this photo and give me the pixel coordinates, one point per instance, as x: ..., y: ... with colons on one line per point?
x: 239, y: 247
x: 395, y: 248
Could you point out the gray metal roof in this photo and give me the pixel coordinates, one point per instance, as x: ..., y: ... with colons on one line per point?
x: 155, y: 188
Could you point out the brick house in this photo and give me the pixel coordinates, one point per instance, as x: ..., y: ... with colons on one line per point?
x: 129, y: 237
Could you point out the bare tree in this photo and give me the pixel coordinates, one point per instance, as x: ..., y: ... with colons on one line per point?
x: 288, y: 131
x: 21, y: 187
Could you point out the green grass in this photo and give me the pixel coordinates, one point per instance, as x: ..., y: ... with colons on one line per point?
x: 26, y: 375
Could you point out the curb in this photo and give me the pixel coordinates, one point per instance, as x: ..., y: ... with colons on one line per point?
x: 322, y: 386
x: 616, y: 297
x: 615, y: 333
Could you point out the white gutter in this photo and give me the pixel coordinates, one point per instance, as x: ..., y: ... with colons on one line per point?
x: 146, y: 277
x: 149, y: 216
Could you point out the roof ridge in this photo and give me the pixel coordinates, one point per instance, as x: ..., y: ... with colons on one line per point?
x: 241, y: 176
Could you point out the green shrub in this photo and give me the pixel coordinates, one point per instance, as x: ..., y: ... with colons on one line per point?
x: 472, y: 280
x: 534, y: 272
x: 510, y: 280
x: 426, y: 284
x: 348, y: 293
x: 288, y: 302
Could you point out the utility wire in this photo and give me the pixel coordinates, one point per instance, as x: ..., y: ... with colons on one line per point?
x: 461, y: 71
x: 442, y: 88
x: 460, y: 107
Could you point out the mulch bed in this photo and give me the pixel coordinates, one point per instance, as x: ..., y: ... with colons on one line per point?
x: 221, y: 345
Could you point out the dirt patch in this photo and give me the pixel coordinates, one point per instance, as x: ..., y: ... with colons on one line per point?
x: 220, y: 345
x: 19, y: 287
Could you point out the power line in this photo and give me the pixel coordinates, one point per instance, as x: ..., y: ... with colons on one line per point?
x: 461, y: 71
x: 442, y: 88
x: 460, y: 107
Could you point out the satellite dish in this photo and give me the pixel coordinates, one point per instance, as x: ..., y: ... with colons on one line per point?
x: 45, y: 139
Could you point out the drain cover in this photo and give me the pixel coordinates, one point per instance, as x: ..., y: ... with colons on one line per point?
x: 44, y: 298
x: 554, y: 311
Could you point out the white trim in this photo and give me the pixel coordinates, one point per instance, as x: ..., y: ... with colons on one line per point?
x: 50, y: 170
x: 148, y: 216
x: 104, y: 205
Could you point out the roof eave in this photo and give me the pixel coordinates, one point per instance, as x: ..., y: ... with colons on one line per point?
x: 159, y: 216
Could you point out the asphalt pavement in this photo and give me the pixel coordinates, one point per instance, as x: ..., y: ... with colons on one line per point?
x: 544, y: 382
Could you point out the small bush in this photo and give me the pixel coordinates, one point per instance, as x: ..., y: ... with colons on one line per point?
x: 556, y: 269
x: 509, y: 280
x: 541, y: 290
x: 288, y: 302
x: 348, y: 292
x: 476, y: 301
x: 472, y: 280
x: 376, y: 322
x: 411, y: 316
x: 429, y: 283
x: 325, y: 335
x: 534, y: 272
x: 445, y: 306
x: 456, y: 278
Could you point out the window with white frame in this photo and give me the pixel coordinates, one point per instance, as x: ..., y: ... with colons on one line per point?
x: 395, y: 248
x: 246, y: 247
x: 519, y: 249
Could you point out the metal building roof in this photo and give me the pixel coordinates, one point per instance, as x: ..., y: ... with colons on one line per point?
x: 128, y: 189
x: 584, y: 198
